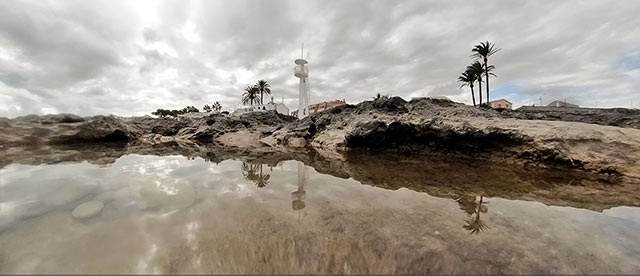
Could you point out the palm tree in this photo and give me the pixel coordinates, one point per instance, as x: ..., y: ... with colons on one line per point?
x: 216, y: 106
x: 477, y: 70
x: 250, y: 95
x: 488, y: 71
x: 249, y: 171
x: 474, y: 224
x: 483, y: 51
x: 263, y: 87
x: 262, y: 179
x: 468, y: 78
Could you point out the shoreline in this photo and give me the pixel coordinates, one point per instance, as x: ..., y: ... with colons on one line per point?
x: 419, y: 127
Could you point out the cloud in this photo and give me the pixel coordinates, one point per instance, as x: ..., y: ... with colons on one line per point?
x: 131, y: 57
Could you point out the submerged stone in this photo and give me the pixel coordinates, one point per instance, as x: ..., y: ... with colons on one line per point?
x: 105, y: 197
x: 88, y: 209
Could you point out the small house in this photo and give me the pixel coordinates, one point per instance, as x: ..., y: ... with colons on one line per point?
x: 500, y: 104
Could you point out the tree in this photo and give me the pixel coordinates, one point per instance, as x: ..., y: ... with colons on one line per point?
x: 474, y: 224
x: 468, y: 78
x: 488, y: 71
x: 251, y: 173
x: 216, y: 106
x: 380, y: 96
x: 477, y: 70
x: 262, y: 179
x: 250, y: 95
x: 483, y: 51
x: 264, y: 88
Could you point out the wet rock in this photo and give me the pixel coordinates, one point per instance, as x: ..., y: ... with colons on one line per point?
x: 88, y: 209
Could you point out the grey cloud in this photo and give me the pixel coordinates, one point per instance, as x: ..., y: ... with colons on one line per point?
x: 131, y: 57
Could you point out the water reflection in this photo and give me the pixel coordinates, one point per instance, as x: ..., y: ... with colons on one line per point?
x: 473, y: 206
x: 173, y: 214
x: 299, y: 195
x: 254, y: 173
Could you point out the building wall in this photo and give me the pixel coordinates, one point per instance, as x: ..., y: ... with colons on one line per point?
x: 278, y: 107
x: 282, y: 109
x: 501, y: 104
x: 318, y: 107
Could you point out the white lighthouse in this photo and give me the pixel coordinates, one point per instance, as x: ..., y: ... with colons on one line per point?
x: 302, y: 72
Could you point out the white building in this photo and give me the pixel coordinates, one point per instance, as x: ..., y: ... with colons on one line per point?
x: 278, y: 107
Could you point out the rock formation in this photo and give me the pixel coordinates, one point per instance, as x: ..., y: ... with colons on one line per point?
x: 421, y: 126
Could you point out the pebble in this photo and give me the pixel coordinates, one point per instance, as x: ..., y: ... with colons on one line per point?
x: 88, y: 209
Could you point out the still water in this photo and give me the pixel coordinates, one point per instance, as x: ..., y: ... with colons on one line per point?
x: 173, y: 214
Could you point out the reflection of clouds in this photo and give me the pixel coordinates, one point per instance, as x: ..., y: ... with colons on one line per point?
x: 169, y: 190
x: 143, y: 263
x: 232, y: 211
x: 237, y: 189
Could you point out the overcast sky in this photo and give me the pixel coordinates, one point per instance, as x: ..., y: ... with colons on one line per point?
x: 132, y: 57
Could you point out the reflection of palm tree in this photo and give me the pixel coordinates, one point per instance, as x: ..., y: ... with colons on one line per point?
x: 262, y: 179
x: 253, y: 173
x: 474, y: 224
x: 248, y: 171
x: 467, y: 204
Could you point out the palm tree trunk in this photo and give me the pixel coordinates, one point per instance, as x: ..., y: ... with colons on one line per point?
x: 261, y: 100
x: 480, y: 91
x: 473, y: 96
x: 486, y: 73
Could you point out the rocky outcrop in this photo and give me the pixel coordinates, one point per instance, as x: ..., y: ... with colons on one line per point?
x: 441, y: 126
x: 620, y: 117
x: 420, y: 126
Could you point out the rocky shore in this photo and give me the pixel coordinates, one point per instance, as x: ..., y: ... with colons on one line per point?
x: 419, y: 127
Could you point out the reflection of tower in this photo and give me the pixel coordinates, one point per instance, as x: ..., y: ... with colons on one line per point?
x: 299, y: 196
x: 302, y: 72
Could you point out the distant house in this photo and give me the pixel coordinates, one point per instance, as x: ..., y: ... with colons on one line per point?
x: 562, y: 104
x: 278, y: 107
x: 501, y: 103
x: 313, y: 108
